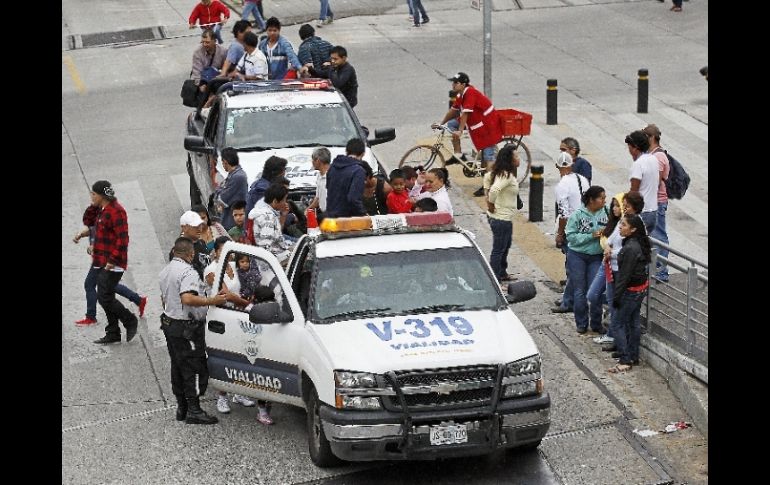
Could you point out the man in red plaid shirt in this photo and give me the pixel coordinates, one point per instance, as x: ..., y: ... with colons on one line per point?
x: 110, y: 255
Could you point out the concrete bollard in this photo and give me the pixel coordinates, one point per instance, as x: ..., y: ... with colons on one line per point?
x: 643, y: 88
x: 550, y: 102
x: 536, y: 184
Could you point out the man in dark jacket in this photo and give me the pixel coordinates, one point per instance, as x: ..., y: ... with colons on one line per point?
x: 340, y: 73
x: 233, y: 189
x: 345, y: 182
x: 313, y: 51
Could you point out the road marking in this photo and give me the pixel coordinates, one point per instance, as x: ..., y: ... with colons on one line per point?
x: 80, y: 87
x: 146, y: 258
x: 181, y: 183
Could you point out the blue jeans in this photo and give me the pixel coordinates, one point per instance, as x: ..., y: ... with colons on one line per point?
x: 90, y: 286
x: 411, y: 10
x: 502, y: 236
x: 650, y: 219
x: 567, y: 298
x: 660, y: 234
x: 488, y: 153
x: 418, y: 10
x: 251, y: 8
x: 625, y: 326
x: 325, y: 10
x: 217, y: 28
x: 582, y: 269
x: 597, y: 291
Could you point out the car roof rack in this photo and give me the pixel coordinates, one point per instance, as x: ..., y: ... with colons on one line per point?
x: 234, y: 88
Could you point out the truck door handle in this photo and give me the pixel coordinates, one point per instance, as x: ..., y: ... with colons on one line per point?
x: 216, y: 327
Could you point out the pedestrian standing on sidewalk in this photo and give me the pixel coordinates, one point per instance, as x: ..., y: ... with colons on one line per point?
x: 326, y: 16
x: 645, y: 176
x: 419, y: 11
x: 89, y: 220
x: 584, y: 255
x: 579, y: 164
x: 502, y: 188
x: 659, y: 231
x: 110, y: 256
x: 183, y: 319
x: 631, y: 283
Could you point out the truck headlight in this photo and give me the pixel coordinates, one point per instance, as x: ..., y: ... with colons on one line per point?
x: 530, y: 365
x: 359, y: 402
x: 523, y: 378
x: 354, y: 379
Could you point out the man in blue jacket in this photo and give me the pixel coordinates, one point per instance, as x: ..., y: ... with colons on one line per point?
x: 278, y: 51
x: 345, y: 182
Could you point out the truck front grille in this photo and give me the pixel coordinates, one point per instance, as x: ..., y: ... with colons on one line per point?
x: 483, y: 376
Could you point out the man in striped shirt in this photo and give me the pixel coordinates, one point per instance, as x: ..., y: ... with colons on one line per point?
x: 110, y: 256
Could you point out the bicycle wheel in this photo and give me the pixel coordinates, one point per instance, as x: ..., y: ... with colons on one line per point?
x: 423, y: 155
x: 524, y: 155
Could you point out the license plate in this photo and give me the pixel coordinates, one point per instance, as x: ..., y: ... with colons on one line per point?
x: 447, y: 435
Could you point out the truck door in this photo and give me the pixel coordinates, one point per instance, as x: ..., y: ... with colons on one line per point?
x: 255, y: 359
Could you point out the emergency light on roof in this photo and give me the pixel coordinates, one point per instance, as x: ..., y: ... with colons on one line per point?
x: 386, y: 222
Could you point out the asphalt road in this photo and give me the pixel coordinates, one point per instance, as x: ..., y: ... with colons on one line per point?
x: 122, y: 120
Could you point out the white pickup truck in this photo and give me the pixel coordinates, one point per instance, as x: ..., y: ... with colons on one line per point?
x: 393, y: 334
x: 288, y: 119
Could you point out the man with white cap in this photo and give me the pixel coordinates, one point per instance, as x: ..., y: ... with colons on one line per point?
x: 567, y: 194
x: 192, y: 225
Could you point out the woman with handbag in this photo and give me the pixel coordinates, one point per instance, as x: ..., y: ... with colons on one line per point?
x: 502, y: 194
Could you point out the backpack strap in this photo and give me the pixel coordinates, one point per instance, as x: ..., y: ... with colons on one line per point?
x: 580, y: 185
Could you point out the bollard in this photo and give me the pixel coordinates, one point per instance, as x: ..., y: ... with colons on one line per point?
x: 452, y: 96
x: 536, y: 193
x: 643, y: 91
x: 550, y: 102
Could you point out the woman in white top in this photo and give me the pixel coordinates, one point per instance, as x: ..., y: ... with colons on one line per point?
x: 436, y: 185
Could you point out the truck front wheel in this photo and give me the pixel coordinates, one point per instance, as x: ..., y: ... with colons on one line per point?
x: 320, y: 450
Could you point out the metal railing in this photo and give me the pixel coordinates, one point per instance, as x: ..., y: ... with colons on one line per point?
x: 677, y: 309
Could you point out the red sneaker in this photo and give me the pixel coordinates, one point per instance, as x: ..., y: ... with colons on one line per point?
x: 86, y: 321
x: 142, y: 304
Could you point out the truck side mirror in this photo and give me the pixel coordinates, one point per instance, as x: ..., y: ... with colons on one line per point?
x: 268, y: 312
x: 197, y: 144
x: 520, y: 291
x: 382, y: 135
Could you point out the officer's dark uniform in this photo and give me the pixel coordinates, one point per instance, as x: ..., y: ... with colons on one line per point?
x: 184, y: 329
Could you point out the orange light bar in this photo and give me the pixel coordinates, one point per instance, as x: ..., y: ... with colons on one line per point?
x: 344, y: 224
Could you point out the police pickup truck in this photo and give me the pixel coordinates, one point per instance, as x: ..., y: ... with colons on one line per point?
x: 394, y: 335
x: 285, y: 118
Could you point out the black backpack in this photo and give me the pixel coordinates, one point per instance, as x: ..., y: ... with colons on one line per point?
x: 678, y: 180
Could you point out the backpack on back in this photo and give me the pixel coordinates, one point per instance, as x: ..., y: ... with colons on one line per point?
x: 678, y: 180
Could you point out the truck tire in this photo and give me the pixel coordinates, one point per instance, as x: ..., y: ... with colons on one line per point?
x: 320, y: 450
x: 195, y: 193
x: 527, y: 447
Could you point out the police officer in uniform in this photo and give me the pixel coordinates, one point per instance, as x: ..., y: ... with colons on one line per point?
x: 182, y: 321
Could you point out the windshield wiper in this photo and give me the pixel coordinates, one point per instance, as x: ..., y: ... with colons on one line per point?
x: 439, y: 308
x: 255, y: 149
x: 305, y: 145
x: 372, y: 312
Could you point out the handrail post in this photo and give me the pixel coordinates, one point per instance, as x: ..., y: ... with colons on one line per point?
x: 650, y: 269
x: 692, y: 280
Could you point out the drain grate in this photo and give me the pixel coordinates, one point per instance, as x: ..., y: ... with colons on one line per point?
x: 143, y: 34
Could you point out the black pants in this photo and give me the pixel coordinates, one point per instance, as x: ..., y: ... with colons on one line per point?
x: 189, y: 369
x: 105, y: 294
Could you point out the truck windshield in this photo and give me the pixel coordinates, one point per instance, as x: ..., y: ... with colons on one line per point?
x: 327, y: 124
x: 402, y: 283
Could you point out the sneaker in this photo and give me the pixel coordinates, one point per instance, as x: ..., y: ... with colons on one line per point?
x: 416, y: 25
x: 243, y: 401
x: 142, y: 304
x: 108, y: 340
x: 411, y: 18
x: 425, y: 21
x: 264, y: 417
x: 662, y: 277
x: 560, y: 309
x: 330, y: 19
x: 85, y: 322
x: 223, y: 405
x: 131, y: 331
x: 319, y: 24
x: 604, y: 339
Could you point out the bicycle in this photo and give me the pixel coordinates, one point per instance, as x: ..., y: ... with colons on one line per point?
x: 515, y: 125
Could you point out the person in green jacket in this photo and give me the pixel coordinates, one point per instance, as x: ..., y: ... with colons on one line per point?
x: 584, y: 254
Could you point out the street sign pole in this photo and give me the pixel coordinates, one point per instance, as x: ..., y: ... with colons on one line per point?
x: 487, y: 5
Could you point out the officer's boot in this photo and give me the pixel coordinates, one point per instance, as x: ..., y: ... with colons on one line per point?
x: 181, y: 408
x: 196, y: 415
